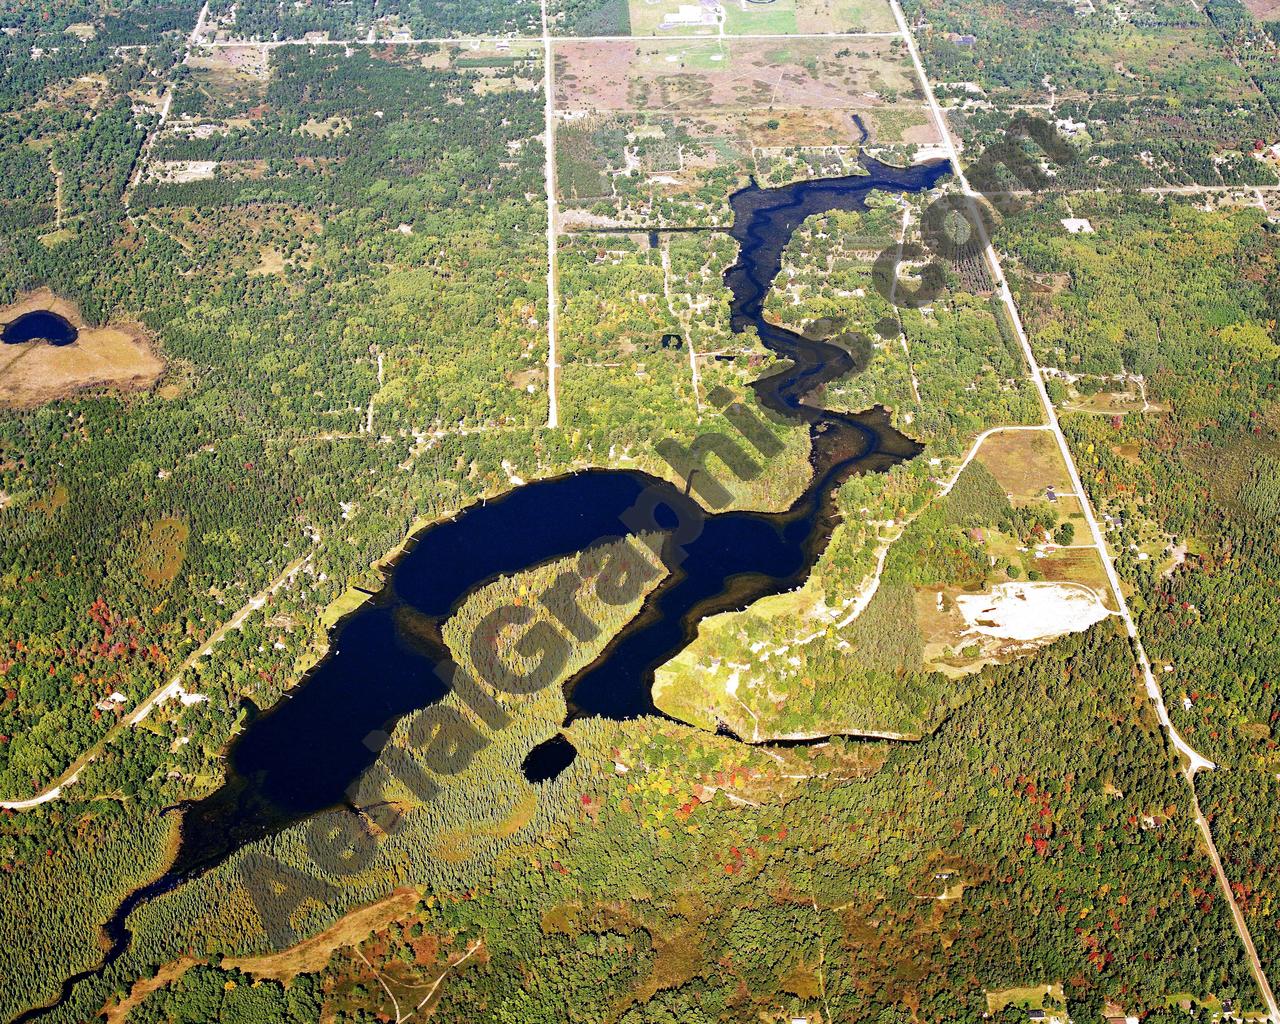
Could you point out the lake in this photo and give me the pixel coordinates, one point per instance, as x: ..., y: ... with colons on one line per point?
x: 301, y: 756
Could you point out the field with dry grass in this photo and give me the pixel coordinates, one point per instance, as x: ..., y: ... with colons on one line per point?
x: 731, y: 74
x: 118, y: 357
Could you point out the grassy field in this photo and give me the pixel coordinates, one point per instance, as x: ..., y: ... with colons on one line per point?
x: 163, y: 549
x: 1025, y: 462
x: 648, y: 19
x: 1026, y: 997
x: 770, y: 17
x: 118, y: 357
x: 844, y: 16
x: 743, y: 17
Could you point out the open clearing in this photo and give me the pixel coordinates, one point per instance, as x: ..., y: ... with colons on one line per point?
x: 314, y: 953
x: 1021, y: 616
x: 1027, y: 996
x: 1031, y: 611
x: 183, y: 171
x: 754, y: 17
x: 117, y: 356
x: 164, y: 548
x: 844, y: 16
x: 234, y: 78
x: 1025, y: 462
x: 306, y: 957
x: 729, y: 75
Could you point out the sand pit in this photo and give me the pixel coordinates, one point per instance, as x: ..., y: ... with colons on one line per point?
x: 117, y: 356
x: 1031, y: 611
x: 183, y: 171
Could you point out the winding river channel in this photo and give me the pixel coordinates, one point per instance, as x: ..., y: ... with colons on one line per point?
x: 301, y: 756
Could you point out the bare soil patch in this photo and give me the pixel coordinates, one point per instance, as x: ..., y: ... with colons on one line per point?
x: 270, y: 261
x: 118, y: 357
x: 1264, y: 10
x: 183, y: 171
x: 1031, y: 611
x: 732, y: 74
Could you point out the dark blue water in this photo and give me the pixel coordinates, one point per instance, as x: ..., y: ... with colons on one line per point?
x: 40, y: 325
x: 302, y: 756
x: 549, y: 759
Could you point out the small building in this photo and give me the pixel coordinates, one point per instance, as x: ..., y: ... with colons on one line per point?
x: 689, y: 16
x: 111, y: 701
x: 1035, y: 1014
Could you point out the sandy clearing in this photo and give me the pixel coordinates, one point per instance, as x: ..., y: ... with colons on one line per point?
x: 314, y: 953
x: 171, y: 972
x: 1031, y: 611
x: 183, y: 171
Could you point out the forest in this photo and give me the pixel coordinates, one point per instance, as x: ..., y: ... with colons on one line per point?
x: 1187, y: 488
x: 1151, y: 93
x: 653, y: 879
x: 423, y: 19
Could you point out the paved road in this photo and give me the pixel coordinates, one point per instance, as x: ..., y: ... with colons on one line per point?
x: 542, y: 39
x: 1195, y: 761
x: 553, y: 269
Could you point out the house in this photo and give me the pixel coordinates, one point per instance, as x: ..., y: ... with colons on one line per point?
x: 1070, y: 127
x: 1036, y: 1014
x: 111, y: 701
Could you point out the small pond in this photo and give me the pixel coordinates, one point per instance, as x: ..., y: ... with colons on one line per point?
x: 40, y: 325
